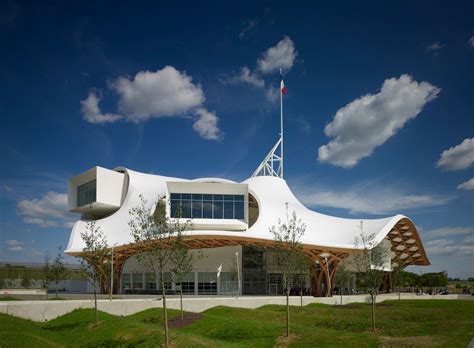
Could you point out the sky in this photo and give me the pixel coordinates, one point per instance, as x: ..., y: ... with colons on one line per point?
x: 378, y: 111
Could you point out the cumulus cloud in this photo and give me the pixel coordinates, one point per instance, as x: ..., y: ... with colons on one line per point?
x: 149, y: 94
x: 282, y: 56
x: 51, y: 210
x: 91, y: 111
x: 206, y: 125
x: 166, y: 92
x: 448, y: 231
x: 247, y: 76
x: 370, y: 199
x: 457, y: 157
x: 467, y: 185
x: 369, y: 121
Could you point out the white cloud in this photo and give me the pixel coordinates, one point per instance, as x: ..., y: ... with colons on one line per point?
x: 206, y: 125
x: 448, y: 231
x: 91, y: 111
x: 369, y: 121
x: 471, y: 41
x: 448, y: 246
x: 14, y: 245
x: 51, y: 210
x: 246, y: 76
x: 13, y: 242
x: 282, y: 56
x: 370, y: 199
x: 434, y: 48
x: 467, y: 185
x: 165, y: 92
x: 458, y: 157
x: 272, y: 94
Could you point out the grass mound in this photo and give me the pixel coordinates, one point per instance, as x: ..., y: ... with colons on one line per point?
x: 399, y: 323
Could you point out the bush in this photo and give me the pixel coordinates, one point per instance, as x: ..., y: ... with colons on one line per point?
x: 25, y: 283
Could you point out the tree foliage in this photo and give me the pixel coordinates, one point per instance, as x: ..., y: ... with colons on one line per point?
x: 58, y: 269
x: 159, y: 242
x: 341, y: 278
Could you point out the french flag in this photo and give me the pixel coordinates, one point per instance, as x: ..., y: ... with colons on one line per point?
x: 282, y: 85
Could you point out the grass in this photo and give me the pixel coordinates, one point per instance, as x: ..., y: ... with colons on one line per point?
x: 421, y: 323
x: 9, y: 298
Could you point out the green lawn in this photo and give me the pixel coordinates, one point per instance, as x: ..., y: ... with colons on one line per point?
x: 400, y: 323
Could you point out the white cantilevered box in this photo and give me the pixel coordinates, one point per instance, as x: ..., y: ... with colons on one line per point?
x: 97, y: 192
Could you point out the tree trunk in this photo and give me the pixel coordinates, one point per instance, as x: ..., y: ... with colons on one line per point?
x: 165, y: 314
x: 95, y: 306
x: 373, y: 312
x: 301, y: 298
x: 287, y: 313
x: 341, y: 296
x: 56, y: 289
x: 399, y: 295
x: 181, y: 300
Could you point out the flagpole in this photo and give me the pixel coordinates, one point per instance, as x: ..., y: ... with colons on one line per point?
x: 281, y: 122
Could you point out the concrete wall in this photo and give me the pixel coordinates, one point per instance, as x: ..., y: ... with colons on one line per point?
x: 42, y: 311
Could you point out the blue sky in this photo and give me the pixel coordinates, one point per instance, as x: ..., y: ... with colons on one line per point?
x: 378, y: 115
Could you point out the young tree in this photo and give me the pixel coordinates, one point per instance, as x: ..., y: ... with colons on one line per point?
x: 399, y: 279
x: 181, y: 265
x: 58, y: 270
x: 371, y: 264
x: 93, y: 255
x: 155, y: 235
x: 302, y: 272
x: 46, y: 279
x: 288, y: 253
x: 341, y: 278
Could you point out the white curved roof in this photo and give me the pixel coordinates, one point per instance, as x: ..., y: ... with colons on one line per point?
x: 271, y: 193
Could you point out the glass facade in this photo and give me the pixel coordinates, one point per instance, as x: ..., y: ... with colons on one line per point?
x: 86, y: 193
x: 137, y: 280
x: 150, y: 281
x: 207, y: 206
x: 254, y: 271
x: 228, y: 283
x: 187, y: 284
x: 126, y: 285
x: 207, y: 283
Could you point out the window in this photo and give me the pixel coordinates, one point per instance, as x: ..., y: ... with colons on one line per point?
x: 207, y: 283
x: 137, y: 279
x: 150, y: 281
x: 86, y: 193
x: 126, y: 281
x: 206, y: 206
x: 187, y: 284
x: 229, y: 283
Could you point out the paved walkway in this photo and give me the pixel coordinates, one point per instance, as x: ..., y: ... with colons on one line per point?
x: 46, y: 310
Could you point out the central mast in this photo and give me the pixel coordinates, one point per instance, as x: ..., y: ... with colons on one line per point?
x: 272, y: 165
x: 282, y: 88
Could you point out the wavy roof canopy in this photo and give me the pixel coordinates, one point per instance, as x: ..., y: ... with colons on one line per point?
x: 323, y: 232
